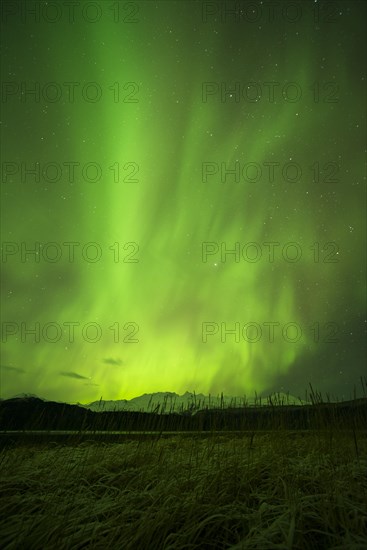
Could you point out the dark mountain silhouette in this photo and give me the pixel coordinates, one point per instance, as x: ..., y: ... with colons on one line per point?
x: 32, y: 413
x: 172, y: 402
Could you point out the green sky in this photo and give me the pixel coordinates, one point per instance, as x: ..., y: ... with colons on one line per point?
x: 134, y: 161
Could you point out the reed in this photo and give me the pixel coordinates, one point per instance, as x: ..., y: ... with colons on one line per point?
x: 284, y: 489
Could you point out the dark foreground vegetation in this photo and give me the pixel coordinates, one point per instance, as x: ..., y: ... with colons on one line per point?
x: 35, y: 414
x: 275, y: 477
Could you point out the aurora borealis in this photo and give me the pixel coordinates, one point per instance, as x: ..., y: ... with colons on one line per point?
x: 160, y: 134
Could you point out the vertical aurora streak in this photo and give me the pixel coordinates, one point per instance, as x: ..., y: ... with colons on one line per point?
x: 170, y: 211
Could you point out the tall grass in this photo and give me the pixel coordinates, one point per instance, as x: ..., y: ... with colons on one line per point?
x: 253, y: 490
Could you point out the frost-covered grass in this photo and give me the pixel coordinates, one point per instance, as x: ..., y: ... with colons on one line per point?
x: 268, y: 491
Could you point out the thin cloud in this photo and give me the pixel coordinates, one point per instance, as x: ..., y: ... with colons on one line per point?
x: 70, y: 374
x: 110, y: 361
x: 12, y: 369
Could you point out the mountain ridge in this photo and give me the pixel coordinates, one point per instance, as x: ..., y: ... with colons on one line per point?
x: 32, y: 413
x: 173, y: 402
x: 165, y: 402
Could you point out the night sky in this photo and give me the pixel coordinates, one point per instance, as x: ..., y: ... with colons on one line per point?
x: 196, y: 208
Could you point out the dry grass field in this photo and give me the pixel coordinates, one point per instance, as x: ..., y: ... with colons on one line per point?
x: 277, y: 490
